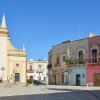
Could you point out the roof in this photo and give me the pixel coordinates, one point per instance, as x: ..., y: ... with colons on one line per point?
x: 13, y: 51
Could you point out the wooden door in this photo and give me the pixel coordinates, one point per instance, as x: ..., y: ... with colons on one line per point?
x: 17, y: 77
x: 97, y: 79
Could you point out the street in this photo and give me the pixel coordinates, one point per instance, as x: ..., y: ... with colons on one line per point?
x: 50, y: 93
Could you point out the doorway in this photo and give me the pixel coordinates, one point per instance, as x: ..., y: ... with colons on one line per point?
x: 78, y: 79
x: 17, y: 77
x: 31, y: 77
x: 96, y: 79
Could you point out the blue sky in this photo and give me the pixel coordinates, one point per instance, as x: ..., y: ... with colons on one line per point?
x: 40, y: 24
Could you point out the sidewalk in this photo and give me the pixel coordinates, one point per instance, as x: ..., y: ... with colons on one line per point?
x: 19, y: 90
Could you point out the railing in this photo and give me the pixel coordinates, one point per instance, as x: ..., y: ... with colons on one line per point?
x: 94, y: 60
x: 77, y: 62
x: 69, y: 63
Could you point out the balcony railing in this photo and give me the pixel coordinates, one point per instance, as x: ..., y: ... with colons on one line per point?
x: 94, y: 60
x: 77, y: 62
x: 69, y: 63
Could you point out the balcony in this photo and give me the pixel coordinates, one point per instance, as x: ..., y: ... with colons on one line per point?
x: 94, y: 61
x: 69, y: 63
x: 76, y: 62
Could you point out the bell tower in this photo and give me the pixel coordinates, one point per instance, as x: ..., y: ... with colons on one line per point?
x: 3, y: 49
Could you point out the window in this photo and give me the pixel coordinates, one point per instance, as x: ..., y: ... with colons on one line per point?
x: 57, y: 60
x: 17, y: 65
x: 31, y: 77
x: 39, y: 78
x: 81, y: 57
x: 40, y: 66
x: 94, y: 55
x: 39, y: 69
x: 17, y: 77
x: 30, y: 67
x: 64, y: 58
x: 44, y: 78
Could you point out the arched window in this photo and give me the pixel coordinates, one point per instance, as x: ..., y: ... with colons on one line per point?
x: 81, y: 55
x: 57, y: 60
x: 94, y: 55
x: 30, y: 67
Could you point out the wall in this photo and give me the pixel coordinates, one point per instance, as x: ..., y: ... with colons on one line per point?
x: 59, y: 51
x: 68, y: 49
x: 78, y: 45
x: 90, y: 70
x: 72, y: 75
x: 94, y: 41
x: 12, y: 61
x: 3, y: 56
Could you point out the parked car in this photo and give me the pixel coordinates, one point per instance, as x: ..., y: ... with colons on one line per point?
x: 36, y: 82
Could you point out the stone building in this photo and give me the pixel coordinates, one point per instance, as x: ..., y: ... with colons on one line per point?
x: 77, y: 75
x: 64, y: 55
x: 93, y: 67
x: 12, y: 60
x: 37, y: 70
x: 75, y: 62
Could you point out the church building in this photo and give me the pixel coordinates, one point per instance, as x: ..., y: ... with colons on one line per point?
x: 12, y: 60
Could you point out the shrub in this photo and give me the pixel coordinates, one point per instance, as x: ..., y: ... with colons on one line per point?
x: 29, y: 81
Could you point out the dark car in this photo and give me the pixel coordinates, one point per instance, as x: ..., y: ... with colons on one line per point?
x: 36, y: 82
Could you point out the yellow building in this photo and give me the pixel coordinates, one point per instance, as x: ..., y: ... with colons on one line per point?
x: 12, y: 60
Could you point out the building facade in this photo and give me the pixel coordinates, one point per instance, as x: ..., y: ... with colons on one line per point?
x: 75, y: 62
x: 12, y: 60
x: 37, y: 70
x: 65, y: 55
x: 77, y: 76
x: 93, y: 67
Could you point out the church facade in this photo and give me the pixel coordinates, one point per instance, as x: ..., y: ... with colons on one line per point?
x: 12, y: 60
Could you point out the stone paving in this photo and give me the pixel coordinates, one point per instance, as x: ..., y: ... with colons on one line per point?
x: 9, y: 92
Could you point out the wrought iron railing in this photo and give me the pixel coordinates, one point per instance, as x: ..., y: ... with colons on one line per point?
x: 77, y: 62
x: 94, y: 60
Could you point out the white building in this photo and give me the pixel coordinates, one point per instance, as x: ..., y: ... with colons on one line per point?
x: 37, y: 70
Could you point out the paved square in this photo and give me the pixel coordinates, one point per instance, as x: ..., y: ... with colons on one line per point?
x: 49, y: 93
